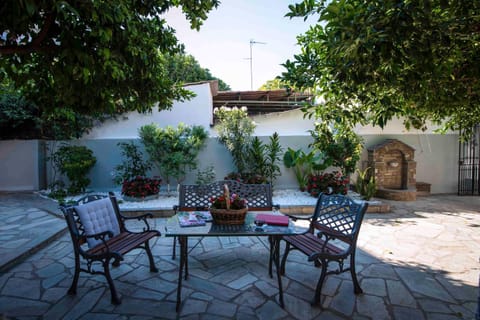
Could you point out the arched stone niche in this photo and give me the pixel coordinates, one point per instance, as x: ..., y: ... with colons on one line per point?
x: 393, y: 164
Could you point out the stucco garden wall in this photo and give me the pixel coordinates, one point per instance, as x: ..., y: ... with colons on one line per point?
x: 214, y: 154
x: 23, y: 166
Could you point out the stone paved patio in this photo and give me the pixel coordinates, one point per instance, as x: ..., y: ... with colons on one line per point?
x: 419, y: 262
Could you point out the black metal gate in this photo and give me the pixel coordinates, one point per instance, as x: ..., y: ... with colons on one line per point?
x: 469, y: 165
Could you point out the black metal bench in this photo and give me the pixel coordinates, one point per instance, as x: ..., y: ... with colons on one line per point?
x: 99, y: 235
x: 259, y: 196
x: 194, y: 197
x: 332, y: 236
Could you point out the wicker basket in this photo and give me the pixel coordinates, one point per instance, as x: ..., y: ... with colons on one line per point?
x: 229, y: 216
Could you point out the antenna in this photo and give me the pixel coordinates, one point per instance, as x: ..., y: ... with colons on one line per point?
x: 252, y: 42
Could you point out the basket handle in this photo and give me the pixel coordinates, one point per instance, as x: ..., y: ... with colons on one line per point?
x: 226, y: 194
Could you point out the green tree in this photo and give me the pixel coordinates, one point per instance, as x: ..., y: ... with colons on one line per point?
x: 93, y: 57
x: 22, y: 119
x: 185, y: 68
x: 276, y: 84
x: 133, y: 164
x: 173, y: 150
x: 340, y: 146
x: 235, y: 131
x: 373, y: 60
x: 263, y: 158
x: 75, y: 162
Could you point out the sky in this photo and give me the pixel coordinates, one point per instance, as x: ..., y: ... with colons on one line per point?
x: 223, y: 43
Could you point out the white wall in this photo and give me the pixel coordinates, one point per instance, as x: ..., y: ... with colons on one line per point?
x: 196, y: 111
x: 292, y: 123
x: 287, y: 123
x: 21, y: 165
x: 395, y: 126
x: 436, y: 155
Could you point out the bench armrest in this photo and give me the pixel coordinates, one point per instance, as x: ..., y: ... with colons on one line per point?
x: 101, y: 235
x: 142, y: 217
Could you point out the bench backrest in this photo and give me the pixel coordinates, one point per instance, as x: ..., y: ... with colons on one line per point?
x: 197, y: 197
x: 77, y: 228
x: 339, y: 216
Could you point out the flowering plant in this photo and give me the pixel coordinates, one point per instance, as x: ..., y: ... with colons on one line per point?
x: 318, y: 183
x: 226, y: 201
x: 140, y: 187
x: 220, y: 202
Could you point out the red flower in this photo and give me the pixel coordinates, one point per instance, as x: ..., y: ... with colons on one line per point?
x: 235, y: 202
x: 322, y: 182
x: 141, y: 186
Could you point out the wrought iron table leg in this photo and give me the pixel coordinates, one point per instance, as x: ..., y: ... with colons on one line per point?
x: 270, y: 241
x: 183, y: 242
x: 275, y: 256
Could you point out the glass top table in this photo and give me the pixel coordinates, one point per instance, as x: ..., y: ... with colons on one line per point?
x: 249, y: 228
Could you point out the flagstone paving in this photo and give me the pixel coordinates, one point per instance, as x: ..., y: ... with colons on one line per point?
x: 421, y: 261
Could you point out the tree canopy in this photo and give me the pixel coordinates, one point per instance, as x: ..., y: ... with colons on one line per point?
x: 374, y: 60
x: 185, y: 68
x: 275, y: 84
x: 93, y: 57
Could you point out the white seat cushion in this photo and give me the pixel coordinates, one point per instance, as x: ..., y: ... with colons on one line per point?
x: 98, y: 216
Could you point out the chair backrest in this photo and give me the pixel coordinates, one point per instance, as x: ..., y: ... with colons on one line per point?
x: 197, y: 197
x: 92, y: 214
x: 339, y: 215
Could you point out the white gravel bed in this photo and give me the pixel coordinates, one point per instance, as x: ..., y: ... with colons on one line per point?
x: 286, y: 197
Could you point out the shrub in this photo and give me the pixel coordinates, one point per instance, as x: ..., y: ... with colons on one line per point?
x: 75, y: 162
x: 173, y: 150
x: 318, y: 183
x: 254, y: 159
x: 235, y: 129
x: 303, y: 165
x: 263, y: 159
x: 341, y: 146
x: 250, y: 178
x: 205, y: 176
x: 141, y: 187
x: 133, y: 164
x: 365, y: 185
